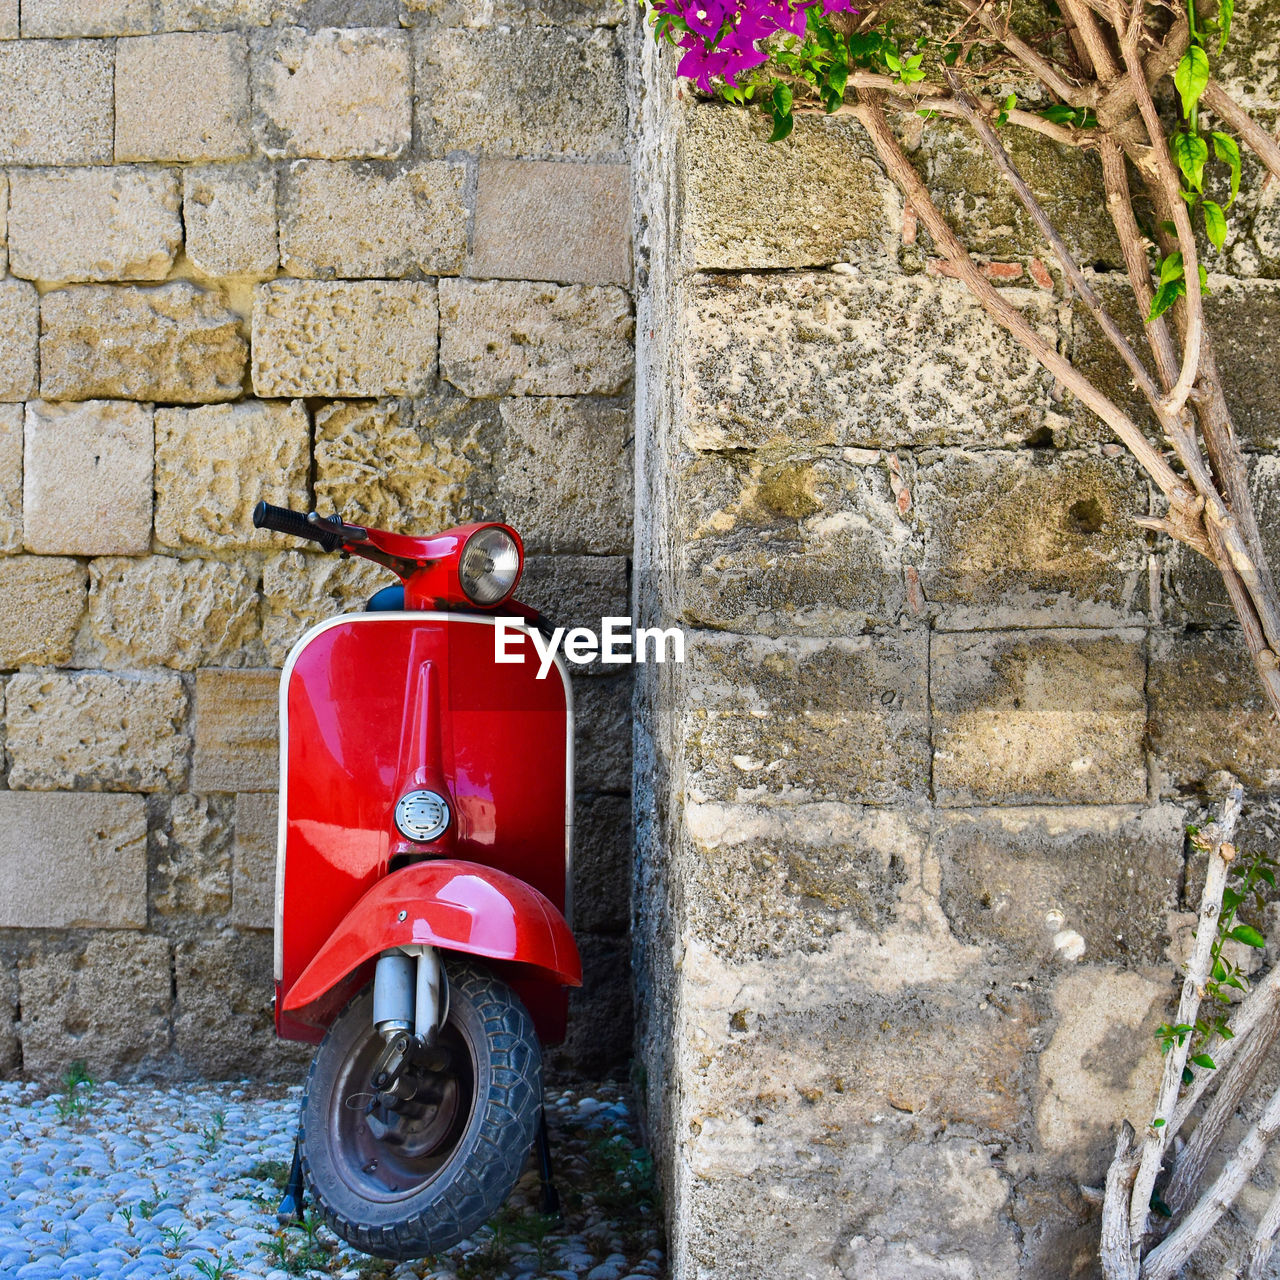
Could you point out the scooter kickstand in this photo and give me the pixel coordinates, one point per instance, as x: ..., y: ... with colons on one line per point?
x: 295, y: 1193
x: 550, y: 1196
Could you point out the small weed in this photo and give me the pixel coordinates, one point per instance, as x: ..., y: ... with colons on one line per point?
x: 147, y: 1208
x: 173, y: 1236
x: 212, y: 1132
x: 298, y: 1256
x: 127, y: 1214
x: 274, y: 1171
x: 77, y: 1091
x: 218, y: 1269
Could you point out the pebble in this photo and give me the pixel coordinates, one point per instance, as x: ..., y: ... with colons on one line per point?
x: 156, y: 1181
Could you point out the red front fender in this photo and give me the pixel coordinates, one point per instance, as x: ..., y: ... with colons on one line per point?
x: 458, y: 906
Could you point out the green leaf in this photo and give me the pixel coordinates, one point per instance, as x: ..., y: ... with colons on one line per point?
x: 1265, y: 873
x: 1226, y: 10
x: 1190, y: 151
x: 1171, y: 268
x: 1157, y: 1123
x: 1203, y: 1060
x: 892, y: 61
x: 1226, y: 149
x: 1191, y: 77
x: 1188, y: 1075
x: 1159, y: 1206
x: 837, y: 78
x: 783, y: 123
x: 1009, y: 103
x: 1166, y: 296
x: 1215, y: 224
x: 1231, y: 898
x: 950, y: 53
x: 1248, y: 935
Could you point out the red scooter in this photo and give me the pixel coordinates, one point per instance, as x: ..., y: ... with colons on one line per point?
x: 422, y: 885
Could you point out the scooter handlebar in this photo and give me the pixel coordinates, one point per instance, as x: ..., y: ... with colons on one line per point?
x: 283, y: 520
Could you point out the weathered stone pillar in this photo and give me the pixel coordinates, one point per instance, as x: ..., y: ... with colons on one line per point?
x: 911, y: 857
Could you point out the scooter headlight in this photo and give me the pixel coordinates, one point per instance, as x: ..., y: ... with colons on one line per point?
x: 489, y: 566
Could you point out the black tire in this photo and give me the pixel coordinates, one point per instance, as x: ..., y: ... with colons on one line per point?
x: 474, y: 1143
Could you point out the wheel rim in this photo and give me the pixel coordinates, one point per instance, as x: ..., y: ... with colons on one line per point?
x: 384, y: 1170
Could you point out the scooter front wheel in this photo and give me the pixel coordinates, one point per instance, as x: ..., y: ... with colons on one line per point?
x: 413, y: 1179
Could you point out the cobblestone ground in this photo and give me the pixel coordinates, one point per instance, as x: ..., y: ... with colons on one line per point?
x: 103, y: 1180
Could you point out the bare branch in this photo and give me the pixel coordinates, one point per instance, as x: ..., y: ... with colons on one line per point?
x: 1045, y: 71
x: 871, y: 113
x: 1104, y: 63
x: 1157, y: 1135
x: 1221, y: 103
x: 1264, y: 1239
x: 1165, y: 1261
x: 1141, y: 374
x: 1190, y: 1164
x: 1255, y: 1007
x: 1116, y: 1250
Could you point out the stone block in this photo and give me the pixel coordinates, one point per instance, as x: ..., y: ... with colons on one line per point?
x: 4, y: 216
x: 602, y: 734
x: 108, y: 1005
x: 868, y: 1203
x: 19, y: 337
x: 602, y: 864
x: 1033, y: 717
x: 162, y: 611
x: 368, y: 219
x: 537, y: 220
x: 86, y: 17
x: 818, y: 199
x: 1248, y: 67
x: 542, y: 13
x: 57, y: 107
x: 230, y: 217
x: 301, y: 590
x: 793, y: 543
x: 183, y: 96
x: 601, y: 1025
x: 9, y: 31
x: 95, y: 732
x: 253, y: 877
x: 845, y: 358
x: 73, y: 861
x: 191, y: 860
x: 1244, y: 321
x: 763, y: 882
x: 42, y: 599
x: 1193, y: 592
x: 519, y: 338
x: 222, y: 1021
x: 410, y: 466
x: 789, y: 721
x: 565, y: 474
x: 1102, y: 1015
x: 215, y: 463
x: 520, y: 74
x: 207, y: 15
x: 175, y: 342
x: 344, y: 338
x: 87, y: 477
x: 94, y: 224
x: 1043, y: 884
x: 973, y: 195
x: 11, y: 416
x: 237, y: 731
x: 577, y: 591
x: 1031, y: 538
x: 333, y: 94
x: 1208, y: 712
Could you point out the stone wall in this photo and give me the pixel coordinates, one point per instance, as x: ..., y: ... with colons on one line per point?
x: 911, y: 865
x: 368, y: 256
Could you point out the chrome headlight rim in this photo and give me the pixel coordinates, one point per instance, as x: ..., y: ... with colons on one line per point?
x: 489, y: 565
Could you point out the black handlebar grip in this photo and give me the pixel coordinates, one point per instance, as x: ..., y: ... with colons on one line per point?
x: 283, y: 520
